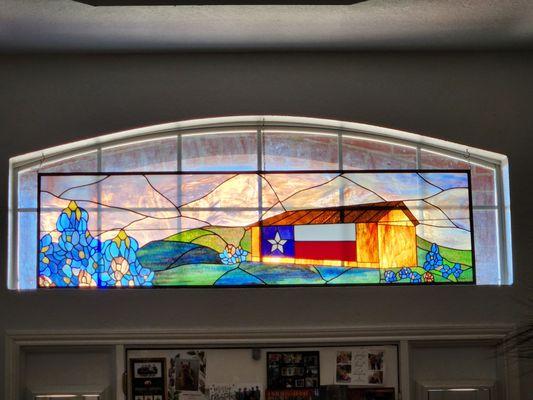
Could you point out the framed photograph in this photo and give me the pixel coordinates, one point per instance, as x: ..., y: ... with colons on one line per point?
x: 360, y: 366
x: 187, y: 374
x: 375, y: 361
x: 344, y: 372
x: 148, y: 378
x: 229, y: 391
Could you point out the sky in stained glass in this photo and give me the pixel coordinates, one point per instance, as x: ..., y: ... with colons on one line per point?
x: 153, y: 206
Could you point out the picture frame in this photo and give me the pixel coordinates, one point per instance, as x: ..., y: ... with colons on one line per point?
x: 293, y: 370
x: 148, y: 379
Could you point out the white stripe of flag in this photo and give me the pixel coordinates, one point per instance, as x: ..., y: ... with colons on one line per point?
x: 324, y: 233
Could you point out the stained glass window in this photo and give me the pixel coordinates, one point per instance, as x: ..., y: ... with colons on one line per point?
x: 266, y: 204
x: 243, y: 229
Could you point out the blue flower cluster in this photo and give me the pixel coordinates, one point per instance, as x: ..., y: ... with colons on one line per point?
x: 390, y: 276
x: 76, y: 259
x: 404, y: 273
x: 415, y: 277
x: 120, y: 266
x: 233, y: 255
x: 455, y: 271
x: 433, y: 262
x: 433, y: 258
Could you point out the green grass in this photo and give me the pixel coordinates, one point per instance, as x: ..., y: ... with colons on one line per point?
x: 463, y: 257
x: 212, y: 241
x: 191, y: 275
x: 246, y: 241
x: 466, y: 275
x: 187, y: 236
x: 231, y: 235
x: 215, y: 237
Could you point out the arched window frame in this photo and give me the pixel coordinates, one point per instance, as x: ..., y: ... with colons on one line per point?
x: 260, y: 125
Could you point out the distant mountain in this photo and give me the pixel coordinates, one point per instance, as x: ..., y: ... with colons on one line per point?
x: 454, y: 203
x: 151, y: 208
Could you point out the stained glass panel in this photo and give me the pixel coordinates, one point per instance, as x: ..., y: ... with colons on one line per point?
x: 255, y: 229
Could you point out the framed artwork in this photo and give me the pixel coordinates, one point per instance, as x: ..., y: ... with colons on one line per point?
x: 366, y: 366
x: 185, y: 377
x: 255, y: 229
x: 189, y: 371
x: 293, y: 370
x: 241, y: 391
x: 148, y: 379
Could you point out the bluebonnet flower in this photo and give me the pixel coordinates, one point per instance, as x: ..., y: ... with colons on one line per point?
x: 233, y: 255
x: 120, y: 266
x: 76, y: 259
x: 446, y: 271
x: 390, y: 276
x: 73, y: 260
x: 456, y: 270
x: 405, y: 272
x: 433, y: 258
x: 415, y: 277
x: 48, y: 270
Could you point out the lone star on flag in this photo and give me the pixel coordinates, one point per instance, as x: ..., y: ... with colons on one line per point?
x: 277, y: 243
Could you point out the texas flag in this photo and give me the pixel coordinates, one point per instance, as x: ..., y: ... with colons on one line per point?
x: 310, y: 242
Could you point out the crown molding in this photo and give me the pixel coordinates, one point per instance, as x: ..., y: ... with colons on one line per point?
x: 235, y: 336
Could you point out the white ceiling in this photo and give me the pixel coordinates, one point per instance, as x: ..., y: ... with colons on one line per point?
x: 68, y: 26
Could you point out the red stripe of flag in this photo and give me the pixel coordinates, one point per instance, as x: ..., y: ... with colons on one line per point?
x: 342, y: 251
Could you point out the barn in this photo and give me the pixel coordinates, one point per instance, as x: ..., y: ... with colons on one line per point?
x: 376, y: 235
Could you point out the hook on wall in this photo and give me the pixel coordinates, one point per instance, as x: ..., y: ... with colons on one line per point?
x: 41, y: 161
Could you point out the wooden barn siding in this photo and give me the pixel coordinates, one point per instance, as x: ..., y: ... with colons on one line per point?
x: 367, y: 243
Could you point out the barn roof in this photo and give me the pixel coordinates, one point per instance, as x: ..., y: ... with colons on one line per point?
x: 362, y: 213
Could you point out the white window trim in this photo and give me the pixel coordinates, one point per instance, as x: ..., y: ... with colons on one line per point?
x: 235, y: 124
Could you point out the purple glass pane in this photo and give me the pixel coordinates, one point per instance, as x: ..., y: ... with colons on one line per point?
x: 147, y: 155
x: 219, y: 152
x: 27, y: 179
x: 369, y: 154
x: 286, y: 151
x: 483, y: 178
x: 27, y: 250
x: 486, y: 238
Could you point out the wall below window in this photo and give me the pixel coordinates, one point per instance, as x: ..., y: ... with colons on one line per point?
x: 455, y: 364
x: 53, y: 369
x: 478, y: 99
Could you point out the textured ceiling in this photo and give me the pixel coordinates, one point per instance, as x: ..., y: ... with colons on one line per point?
x: 69, y: 26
